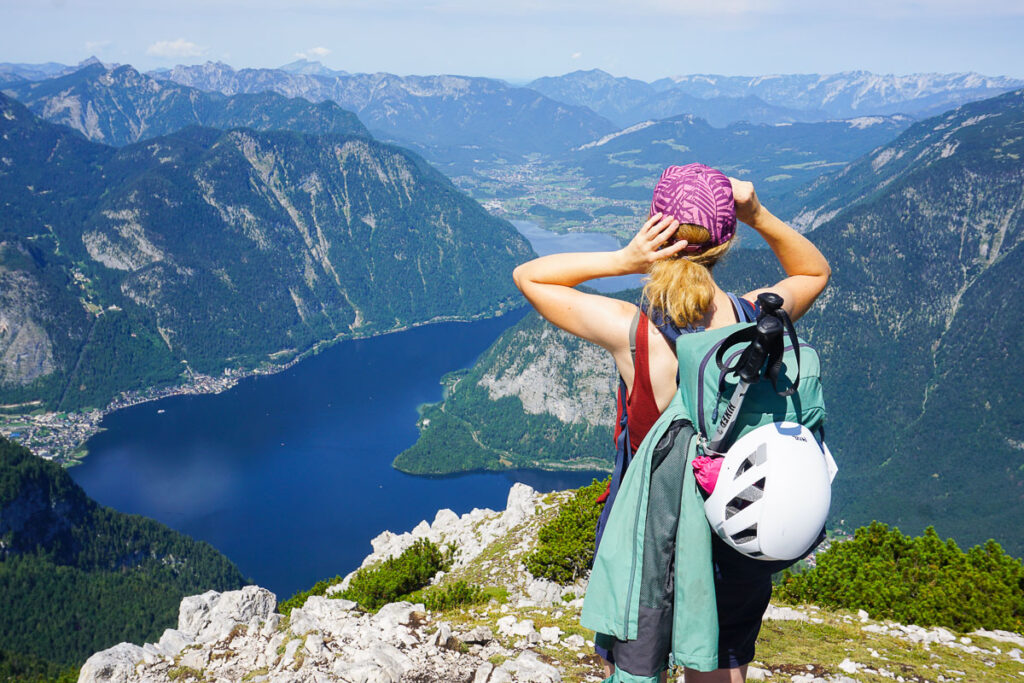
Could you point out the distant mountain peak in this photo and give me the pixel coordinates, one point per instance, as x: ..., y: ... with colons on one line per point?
x: 309, y: 67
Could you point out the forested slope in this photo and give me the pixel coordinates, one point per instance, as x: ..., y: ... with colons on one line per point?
x: 76, y: 576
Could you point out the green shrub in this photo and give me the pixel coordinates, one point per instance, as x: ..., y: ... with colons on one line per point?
x: 299, y: 599
x: 566, y: 547
x: 440, y: 598
x: 396, y: 577
x: 924, y: 580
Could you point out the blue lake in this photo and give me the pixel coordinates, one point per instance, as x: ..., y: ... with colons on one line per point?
x: 290, y: 475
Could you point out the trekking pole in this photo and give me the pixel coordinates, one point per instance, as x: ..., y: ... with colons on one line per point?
x: 769, y: 303
x: 768, y: 335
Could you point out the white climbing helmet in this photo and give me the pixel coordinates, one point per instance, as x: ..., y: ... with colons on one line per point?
x: 773, y: 492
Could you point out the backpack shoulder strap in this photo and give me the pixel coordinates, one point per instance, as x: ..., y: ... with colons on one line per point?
x: 746, y: 312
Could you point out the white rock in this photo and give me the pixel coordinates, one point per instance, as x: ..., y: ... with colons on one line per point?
x: 756, y: 674
x: 174, y: 641
x: 195, y: 659
x: 445, y: 520
x: 521, y: 505
x: 321, y: 614
x: 862, y: 615
x: 113, y: 665
x: 270, y: 626
x: 544, y: 592
x: 500, y: 676
x: 290, y: 650
x: 212, y: 615
x: 784, y: 614
x: 575, y: 641
x: 524, y: 628
x: 505, y: 625
x: 550, y: 634
x: 481, y: 635
x: 1002, y: 636
x: 849, y: 666
x: 483, y: 673
x: 315, y: 645
x: 529, y: 667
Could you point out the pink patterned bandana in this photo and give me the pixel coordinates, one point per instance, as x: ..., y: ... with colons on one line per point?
x: 699, y: 195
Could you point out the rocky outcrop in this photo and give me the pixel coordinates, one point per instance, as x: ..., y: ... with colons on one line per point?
x: 238, y: 635
x: 532, y: 635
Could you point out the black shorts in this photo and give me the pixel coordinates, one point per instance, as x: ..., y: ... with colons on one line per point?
x: 743, y: 587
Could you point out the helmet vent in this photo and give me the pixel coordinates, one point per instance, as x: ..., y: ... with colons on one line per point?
x: 758, y: 457
x: 748, y: 534
x: 745, y: 497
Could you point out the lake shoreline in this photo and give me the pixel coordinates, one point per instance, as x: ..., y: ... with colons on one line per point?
x: 61, y: 436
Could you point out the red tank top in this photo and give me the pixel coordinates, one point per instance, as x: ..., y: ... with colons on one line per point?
x: 641, y: 404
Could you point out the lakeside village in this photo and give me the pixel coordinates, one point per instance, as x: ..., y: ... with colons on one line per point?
x: 61, y: 436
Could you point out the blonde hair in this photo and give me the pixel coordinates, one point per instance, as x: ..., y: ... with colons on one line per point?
x: 681, y: 286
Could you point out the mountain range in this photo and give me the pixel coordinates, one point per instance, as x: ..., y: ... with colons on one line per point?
x: 119, y: 105
x: 120, y: 264
x: 917, y: 331
x: 455, y: 121
x: 769, y: 99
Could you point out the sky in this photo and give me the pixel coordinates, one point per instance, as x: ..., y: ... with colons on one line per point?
x: 520, y: 40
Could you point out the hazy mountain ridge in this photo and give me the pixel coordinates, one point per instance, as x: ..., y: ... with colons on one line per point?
x: 917, y: 330
x: 182, y: 247
x: 628, y: 101
x: 120, y: 105
x: 850, y: 93
x: 449, y: 119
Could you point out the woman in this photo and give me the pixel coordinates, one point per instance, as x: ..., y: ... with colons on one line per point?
x: 691, y: 226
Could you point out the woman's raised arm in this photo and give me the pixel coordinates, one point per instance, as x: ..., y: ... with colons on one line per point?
x: 548, y: 282
x: 807, y: 269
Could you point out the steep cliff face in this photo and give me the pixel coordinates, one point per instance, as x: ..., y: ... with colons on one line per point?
x: 557, y: 374
x: 232, y: 248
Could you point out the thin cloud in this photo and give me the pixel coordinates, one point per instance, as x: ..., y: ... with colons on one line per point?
x: 313, y: 53
x: 96, y: 45
x: 175, y: 48
x: 577, y: 55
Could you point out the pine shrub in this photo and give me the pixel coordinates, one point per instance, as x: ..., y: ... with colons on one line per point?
x: 924, y: 580
x: 441, y: 598
x: 396, y: 577
x: 566, y: 543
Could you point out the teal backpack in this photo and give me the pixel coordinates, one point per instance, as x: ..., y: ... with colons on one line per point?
x: 652, y: 579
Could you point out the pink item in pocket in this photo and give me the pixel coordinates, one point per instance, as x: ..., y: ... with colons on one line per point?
x: 706, y: 470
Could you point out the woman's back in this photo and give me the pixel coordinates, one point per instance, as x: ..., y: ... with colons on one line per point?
x: 661, y: 360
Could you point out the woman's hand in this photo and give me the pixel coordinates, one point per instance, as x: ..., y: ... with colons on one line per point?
x: 649, y: 244
x: 748, y: 206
